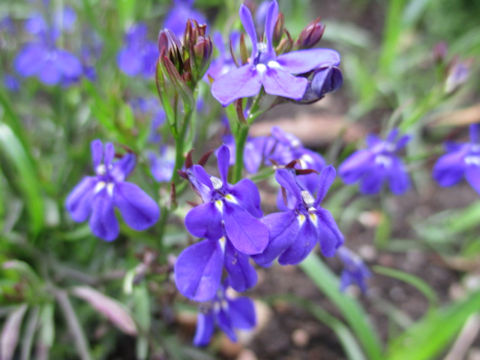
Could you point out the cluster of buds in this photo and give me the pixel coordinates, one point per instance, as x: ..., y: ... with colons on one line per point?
x: 181, y: 65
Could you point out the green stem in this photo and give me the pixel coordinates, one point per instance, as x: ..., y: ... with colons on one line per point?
x: 240, y: 140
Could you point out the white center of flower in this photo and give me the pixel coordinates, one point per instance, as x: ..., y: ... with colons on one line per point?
x: 99, y: 187
x: 216, y: 182
x: 307, y: 198
x: 101, y: 169
x: 273, y: 64
x: 222, y: 242
x: 261, y: 68
x: 314, y: 219
x: 301, y: 219
x: 472, y: 160
x: 219, y: 205
x: 383, y: 160
x: 110, y: 188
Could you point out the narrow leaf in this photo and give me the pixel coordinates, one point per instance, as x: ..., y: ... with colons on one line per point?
x: 10, y: 332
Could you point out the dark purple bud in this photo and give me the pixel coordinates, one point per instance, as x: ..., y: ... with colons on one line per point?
x: 199, y: 48
x: 440, y: 52
x: 170, y: 46
x: 324, y: 80
x: 311, y: 35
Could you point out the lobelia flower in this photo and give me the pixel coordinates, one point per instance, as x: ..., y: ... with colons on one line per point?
x: 461, y: 160
x: 265, y: 68
x: 41, y: 58
x: 227, y: 313
x: 162, y: 165
x: 228, y: 220
x: 378, y: 164
x: 96, y: 197
x: 139, y: 55
x: 295, y: 232
x: 178, y: 15
x: 354, y: 270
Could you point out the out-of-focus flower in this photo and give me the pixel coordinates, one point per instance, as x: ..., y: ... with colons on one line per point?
x: 378, y: 164
x: 223, y: 63
x: 11, y: 83
x: 139, y: 55
x: 42, y: 58
x: 227, y: 313
x: 457, y: 74
x: 354, y: 270
x: 461, y: 160
x: 295, y: 232
x: 178, y: 15
x: 96, y: 197
x: 275, y: 73
x: 162, y: 165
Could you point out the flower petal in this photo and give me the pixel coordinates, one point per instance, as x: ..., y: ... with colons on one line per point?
x: 138, y: 209
x: 327, y: 177
x: 472, y: 175
x: 68, y: 64
x: 398, y: 177
x: 129, y: 62
x: 270, y: 20
x: 204, y: 221
x: 49, y: 74
x: 302, y: 245
x: 302, y: 61
x: 103, y: 222
x: 241, y: 274
x: 372, y: 181
x: 283, y: 229
x: 247, y: 234
x: 237, y: 83
x: 247, y: 195
x: 249, y: 26
x: 329, y: 235
x: 224, y: 322
x: 96, y: 148
x: 242, y: 313
x: 205, y: 327
x: 223, y: 161
x: 79, y: 201
x: 198, y: 270
x: 277, y: 81
x: 353, y: 168
x: 449, y: 168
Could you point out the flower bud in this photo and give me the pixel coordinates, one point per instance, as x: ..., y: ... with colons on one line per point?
x: 170, y: 46
x: 198, y: 48
x: 457, y: 74
x: 278, y: 30
x: 440, y: 52
x: 311, y: 35
x: 324, y: 80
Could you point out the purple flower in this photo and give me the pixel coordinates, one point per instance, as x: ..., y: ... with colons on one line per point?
x: 139, y: 55
x: 228, y: 220
x: 461, y: 160
x: 265, y: 68
x: 178, y: 15
x: 354, y: 270
x: 48, y: 63
x: 224, y: 62
x: 227, y: 313
x: 295, y: 232
x: 11, y: 83
x: 96, y: 197
x: 378, y: 164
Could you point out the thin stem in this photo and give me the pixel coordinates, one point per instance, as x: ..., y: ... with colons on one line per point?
x: 240, y: 140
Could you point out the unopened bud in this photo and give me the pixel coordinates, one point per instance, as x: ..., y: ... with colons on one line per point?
x: 440, y: 52
x: 457, y: 74
x: 169, y: 46
x: 311, y: 35
x: 199, y: 48
x: 324, y: 80
x: 278, y: 29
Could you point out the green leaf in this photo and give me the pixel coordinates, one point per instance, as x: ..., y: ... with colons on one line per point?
x: 410, y: 279
x: 391, y: 35
x: 351, y: 310
x: 27, y: 178
x: 429, y: 337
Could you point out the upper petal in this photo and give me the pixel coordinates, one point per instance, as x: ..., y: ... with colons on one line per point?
x: 280, y: 82
x: 302, y: 61
x: 237, y: 83
x: 327, y: 177
x: 271, y: 18
x: 138, y: 209
x: 247, y: 234
x: 223, y: 161
x: 249, y: 26
x: 198, y: 270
